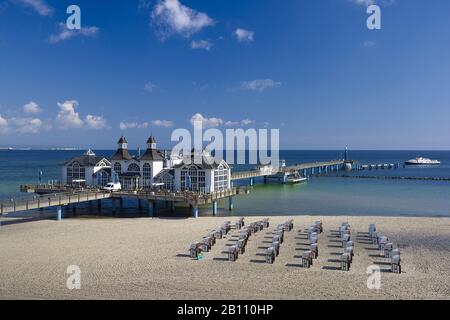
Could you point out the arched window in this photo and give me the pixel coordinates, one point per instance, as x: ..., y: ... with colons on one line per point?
x: 147, y: 175
x: 220, y: 178
x: 75, y: 172
x: 196, y: 181
x: 118, y: 168
x: 134, y: 168
x: 105, y: 178
x: 167, y: 179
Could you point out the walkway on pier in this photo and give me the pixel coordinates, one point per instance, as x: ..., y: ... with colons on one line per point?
x: 55, y: 200
x: 288, y: 170
x: 63, y: 199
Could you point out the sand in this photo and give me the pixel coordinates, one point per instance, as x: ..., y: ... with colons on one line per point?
x: 143, y: 258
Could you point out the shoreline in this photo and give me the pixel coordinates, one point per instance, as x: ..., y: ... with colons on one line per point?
x: 144, y: 258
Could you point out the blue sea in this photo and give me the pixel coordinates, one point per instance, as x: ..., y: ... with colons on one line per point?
x: 324, y: 195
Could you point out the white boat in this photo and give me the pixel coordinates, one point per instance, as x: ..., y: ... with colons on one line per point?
x: 295, y: 179
x: 422, y: 161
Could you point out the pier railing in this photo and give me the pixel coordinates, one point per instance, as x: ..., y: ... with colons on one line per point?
x: 61, y: 199
x: 182, y: 196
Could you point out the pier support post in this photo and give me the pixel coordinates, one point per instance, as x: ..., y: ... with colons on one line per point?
x: 230, y: 203
x: 214, y: 208
x: 121, y: 202
x: 58, y: 213
x: 265, y: 179
x: 252, y: 182
x: 113, y: 204
x: 195, y: 211
x: 74, y: 209
x: 99, y: 205
x: 151, y: 208
x: 172, y: 206
x: 284, y: 179
x: 139, y: 204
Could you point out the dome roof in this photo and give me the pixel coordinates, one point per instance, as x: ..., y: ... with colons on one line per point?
x: 151, y: 140
x: 122, y: 140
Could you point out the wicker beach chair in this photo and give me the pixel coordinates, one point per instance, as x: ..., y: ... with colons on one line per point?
x: 307, y: 259
x: 349, y: 251
x: 241, y: 246
x: 280, y: 234
x: 395, y: 264
x: 239, y: 224
x: 233, y: 253
x: 270, y: 255
x: 388, y: 247
x: 382, y: 241
x: 345, y: 240
x: 206, y: 245
x: 276, y: 246
x: 345, y: 262
x: 195, y: 250
x: 319, y: 225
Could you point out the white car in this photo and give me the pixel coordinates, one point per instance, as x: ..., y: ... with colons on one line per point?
x: 113, y: 186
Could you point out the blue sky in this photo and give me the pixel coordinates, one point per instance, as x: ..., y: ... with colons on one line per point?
x: 309, y: 68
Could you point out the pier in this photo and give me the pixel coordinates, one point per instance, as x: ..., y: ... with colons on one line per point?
x: 283, y: 173
x: 58, y: 200
x: 59, y: 195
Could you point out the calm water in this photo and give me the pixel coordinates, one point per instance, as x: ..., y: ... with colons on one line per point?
x: 321, y: 195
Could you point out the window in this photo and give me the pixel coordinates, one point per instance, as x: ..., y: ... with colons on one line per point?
x: 104, y: 178
x: 117, y: 168
x: 167, y: 179
x: 147, y: 175
x: 220, y: 178
x: 75, y: 172
x: 134, y: 168
x: 197, y: 179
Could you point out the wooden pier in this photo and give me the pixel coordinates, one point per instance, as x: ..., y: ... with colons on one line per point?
x: 68, y: 196
x: 284, y: 172
x: 55, y: 195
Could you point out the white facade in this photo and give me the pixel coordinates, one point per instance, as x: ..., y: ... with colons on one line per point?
x: 88, y: 170
x: 150, y: 170
x: 202, y: 178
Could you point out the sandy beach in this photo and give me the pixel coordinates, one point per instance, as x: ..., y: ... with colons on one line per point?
x: 143, y: 258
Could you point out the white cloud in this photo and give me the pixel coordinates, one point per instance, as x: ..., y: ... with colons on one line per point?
x: 3, y: 124
x: 31, y: 107
x: 26, y: 125
x: 95, y: 122
x: 40, y: 6
x: 66, y: 34
x: 206, y: 122
x: 260, y: 84
x: 162, y: 123
x: 133, y: 125
x: 22, y: 125
x: 150, y: 87
x: 243, y: 35
x: 243, y: 123
x: 67, y: 117
x: 171, y: 17
x: 202, y: 44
